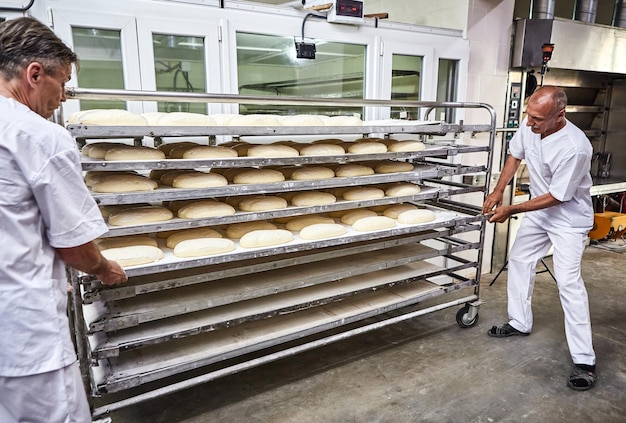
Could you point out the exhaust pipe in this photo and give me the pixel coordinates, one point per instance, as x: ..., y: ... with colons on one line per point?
x: 543, y: 9
x: 585, y: 11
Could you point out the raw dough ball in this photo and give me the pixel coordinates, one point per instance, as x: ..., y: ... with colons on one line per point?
x: 344, y: 121
x: 367, y: 147
x: 185, y: 119
x: 152, y: 117
x: 111, y: 117
x: 140, y: 215
x: 322, y: 150
x: 416, y: 216
x: 259, y: 203
x: 134, y: 153
x: 199, y: 247
x: 186, y: 234
x: 124, y: 183
x: 199, y: 180
x: 168, y: 177
x: 133, y: 255
x: 298, y: 223
x: 363, y: 193
x: 205, y: 208
x: 353, y: 215
x: 223, y: 119
x: 322, y: 230
x: 255, y: 120
x: 352, y: 170
x: 308, y: 173
x: 390, y: 166
x: 125, y: 241
x: 92, y: 177
x: 209, y: 152
x: 406, y: 146
x: 237, y: 230
x: 98, y: 150
x: 373, y: 223
x: 313, y: 198
x: 395, y: 210
x: 301, y: 120
x: 179, y: 151
x: 168, y: 147
x: 265, y: 238
x: 272, y: 150
x: 258, y: 176
x: 402, y: 189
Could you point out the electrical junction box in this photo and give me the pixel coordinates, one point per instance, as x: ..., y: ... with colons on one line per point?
x: 340, y: 11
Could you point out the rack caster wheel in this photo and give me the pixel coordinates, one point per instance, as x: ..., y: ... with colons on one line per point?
x: 467, y: 317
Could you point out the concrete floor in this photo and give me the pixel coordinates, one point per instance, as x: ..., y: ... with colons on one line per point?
x: 430, y: 370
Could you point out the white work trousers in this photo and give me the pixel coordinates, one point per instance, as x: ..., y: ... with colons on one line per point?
x: 531, y: 244
x: 52, y: 397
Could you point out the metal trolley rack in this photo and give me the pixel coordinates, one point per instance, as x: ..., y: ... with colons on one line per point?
x: 178, y: 323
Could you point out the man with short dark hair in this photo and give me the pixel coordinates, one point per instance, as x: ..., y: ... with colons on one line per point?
x: 47, y: 219
x: 559, y: 214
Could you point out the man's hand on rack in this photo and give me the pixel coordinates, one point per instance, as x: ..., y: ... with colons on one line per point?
x: 500, y: 214
x: 114, y: 275
x: 492, y: 201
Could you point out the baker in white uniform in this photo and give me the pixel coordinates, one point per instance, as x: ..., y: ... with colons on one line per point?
x: 559, y: 213
x: 47, y: 219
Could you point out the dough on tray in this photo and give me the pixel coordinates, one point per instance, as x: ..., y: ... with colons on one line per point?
x: 322, y: 231
x: 298, y: 223
x: 199, y: 180
x: 205, y: 208
x: 301, y: 120
x: 416, y: 216
x: 185, y: 119
x: 350, y: 170
x: 209, y: 152
x: 133, y: 153
x: 373, y: 223
x: 168, y: 147
x: 352, y: 216
x: 257, y: 203
x: 140, y: 215
x: 310, y: 173
x: 344, y: 121
x: 312, y: 198
x: 255, y: 120
x: 168, y: 177
x: 265, y: 238
x: 199, y: 247
x: 111, y: 117
x: 124, y: 183
x: 367, y: 147
x: 237, y: 230
x: 401, y: 189
x: 322, y: 150
x: 391, y: 166
x: 133, y: 255
x: 125, y: 241
x: 394, y: 211
x: 272, y: 150
x: 406, y: 146
x: 363, y: 193
x: 185, y: 234
x: 258, y: 176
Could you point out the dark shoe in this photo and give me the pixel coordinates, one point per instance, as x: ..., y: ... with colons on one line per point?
x: 504, y: 331
x: 581, y: 379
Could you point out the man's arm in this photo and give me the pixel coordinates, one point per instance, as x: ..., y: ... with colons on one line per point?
x: 87, y: 258
x: 508, y: 171
x: 502, y: 213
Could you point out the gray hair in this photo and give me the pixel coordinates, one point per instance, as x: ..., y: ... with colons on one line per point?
x: 26, y: 40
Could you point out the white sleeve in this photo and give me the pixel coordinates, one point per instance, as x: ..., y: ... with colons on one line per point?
x: 569, y: 174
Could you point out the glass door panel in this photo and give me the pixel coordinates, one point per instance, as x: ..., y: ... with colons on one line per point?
x: 100, y: 53
x: 405, y: 84
x: 447, y: 87
x: 267, y: 65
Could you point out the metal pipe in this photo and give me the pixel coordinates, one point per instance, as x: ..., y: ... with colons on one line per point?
x: 19, y: 9
x: 619, y: 15
x: 101, y: 411
x: 543, y: 9
x: 585, y: 10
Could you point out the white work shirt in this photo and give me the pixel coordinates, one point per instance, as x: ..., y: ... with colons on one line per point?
x: 44, y: 204
x: 559, y: 164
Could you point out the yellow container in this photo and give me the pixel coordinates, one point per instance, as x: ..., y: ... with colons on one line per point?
x: 608, y: 225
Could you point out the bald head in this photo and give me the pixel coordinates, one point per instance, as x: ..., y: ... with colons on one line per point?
x: 546, y: 110
x: 550, y: 95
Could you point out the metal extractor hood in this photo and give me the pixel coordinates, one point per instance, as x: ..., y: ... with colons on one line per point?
x: 577, y: 45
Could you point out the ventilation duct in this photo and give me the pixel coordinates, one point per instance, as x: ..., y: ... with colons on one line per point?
x: 620, y: 14
x: 585, y: 11
x: 543, y: 9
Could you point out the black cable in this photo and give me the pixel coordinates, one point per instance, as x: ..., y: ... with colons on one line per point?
x: 306, y: 17
x: 19, y: 9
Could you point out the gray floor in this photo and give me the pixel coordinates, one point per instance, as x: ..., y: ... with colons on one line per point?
x: 430, y: 370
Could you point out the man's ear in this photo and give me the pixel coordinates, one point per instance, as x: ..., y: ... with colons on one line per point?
x: 34, y: 72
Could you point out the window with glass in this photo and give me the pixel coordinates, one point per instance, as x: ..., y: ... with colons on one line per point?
x: 405, y: 84
x: 267, y: 65
x: 447, y: 83
x: 100, y: 54
x: 179, y: 65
